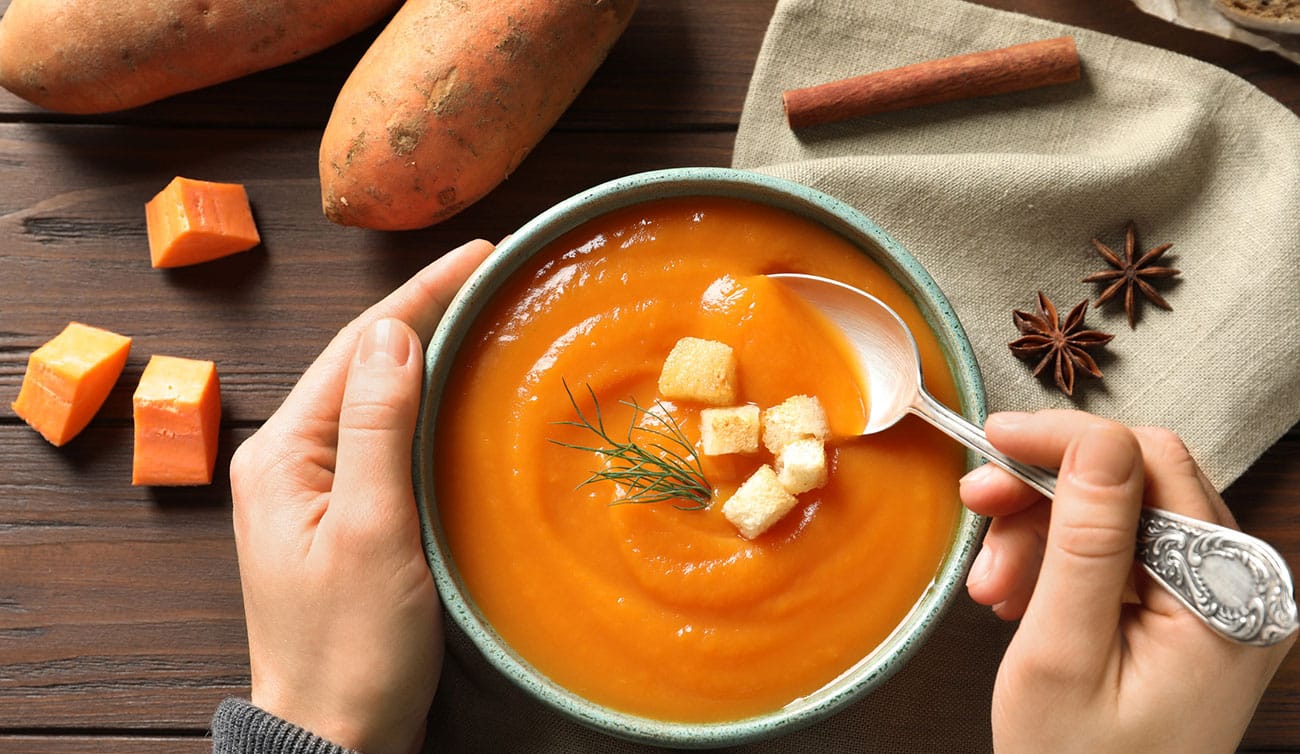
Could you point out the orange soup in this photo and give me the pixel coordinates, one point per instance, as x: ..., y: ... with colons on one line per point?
x: 648, y: 608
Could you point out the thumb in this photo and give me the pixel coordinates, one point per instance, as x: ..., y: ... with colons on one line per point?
x: 1090, y: 541
x: 372, y: 476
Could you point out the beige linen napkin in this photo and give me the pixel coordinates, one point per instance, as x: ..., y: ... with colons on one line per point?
x: 998, y: 198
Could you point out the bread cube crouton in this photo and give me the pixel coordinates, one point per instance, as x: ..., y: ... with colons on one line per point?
x: 729, y: 430
x: 799, y: 417
x: 760, y: 502
x: 700, y: 370
x: 801, y: 466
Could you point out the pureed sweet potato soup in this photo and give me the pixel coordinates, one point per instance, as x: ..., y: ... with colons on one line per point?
x: 654, y: 610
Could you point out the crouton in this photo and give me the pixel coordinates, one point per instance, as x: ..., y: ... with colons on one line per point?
x: 799, y: 417
x: 729, y: 430
x: 760, y: 502
x: 801, y: 466
x: 700, y: 370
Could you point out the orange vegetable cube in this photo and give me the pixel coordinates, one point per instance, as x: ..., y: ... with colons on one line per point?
x: 69, y: 378
x: 177, y: 409
x: 194, y: 221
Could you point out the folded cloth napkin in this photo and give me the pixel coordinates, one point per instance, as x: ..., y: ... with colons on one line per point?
x: 998, y: 198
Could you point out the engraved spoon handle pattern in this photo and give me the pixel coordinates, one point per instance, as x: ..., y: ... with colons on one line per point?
x: 1238, y: 584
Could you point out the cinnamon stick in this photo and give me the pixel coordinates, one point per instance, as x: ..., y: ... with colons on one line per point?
x: 978, y: 74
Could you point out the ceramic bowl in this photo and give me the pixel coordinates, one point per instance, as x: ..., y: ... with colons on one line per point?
x: 867, y: 674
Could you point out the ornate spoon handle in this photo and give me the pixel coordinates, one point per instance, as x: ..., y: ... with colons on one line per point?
x: 1239, y: 585
x: 1236, y: 583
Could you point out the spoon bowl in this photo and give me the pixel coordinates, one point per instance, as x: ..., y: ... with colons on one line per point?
x: 1239, y: 585
x: 880, y: 338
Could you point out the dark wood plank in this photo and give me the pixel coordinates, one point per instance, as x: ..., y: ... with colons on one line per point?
x: 1271, y: 73
x: 702, y: 83
x: 678, y: 65
x: 75, y: 219
x: 1266, y: 502
x: 120, y: 606
x: 106, y: 744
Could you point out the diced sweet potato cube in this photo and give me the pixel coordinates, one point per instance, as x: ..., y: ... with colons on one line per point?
x: 758, y: 503
x: 69, y: 378
x: 699, y: 370
x: 177, y: 416
x: 193, y: 221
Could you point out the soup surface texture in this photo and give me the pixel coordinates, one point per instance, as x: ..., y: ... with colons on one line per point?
x: 650, y: 609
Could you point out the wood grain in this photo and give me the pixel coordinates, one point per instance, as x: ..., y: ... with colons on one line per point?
x: 1271, y: 73
x: 106, y: 744
x: 120, y: 606
x: 262, y: 315
x: 1266, y: 503
x: 679, y: 65
x: 120, y: 614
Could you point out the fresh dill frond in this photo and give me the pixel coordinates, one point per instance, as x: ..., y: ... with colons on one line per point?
x: 665, y: 466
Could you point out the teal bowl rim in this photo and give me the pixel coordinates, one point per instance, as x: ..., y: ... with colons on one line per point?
x: 867, y: 674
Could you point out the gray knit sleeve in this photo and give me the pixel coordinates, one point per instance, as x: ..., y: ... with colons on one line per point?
x: 238, y: 727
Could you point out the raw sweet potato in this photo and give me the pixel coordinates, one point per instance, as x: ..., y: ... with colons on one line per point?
x: 193, y: 221
x: 177, y: 410
x: 68, y: 379
x: 92, y: 56
x: 450, y: 98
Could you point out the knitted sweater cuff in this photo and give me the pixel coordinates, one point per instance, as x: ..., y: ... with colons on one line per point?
x: 238, y: 727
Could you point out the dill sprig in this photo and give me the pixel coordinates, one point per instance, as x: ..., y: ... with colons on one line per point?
x: 665, y: 467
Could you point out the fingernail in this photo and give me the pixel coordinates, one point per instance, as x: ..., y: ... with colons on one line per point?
x: 977, y: 476
x: 1006, y: 421
x: 1103, y: 459
x: 981, y: 568
x: 385, y: 339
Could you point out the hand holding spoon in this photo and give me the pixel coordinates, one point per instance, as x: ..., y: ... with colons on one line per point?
x: 1239, y: 585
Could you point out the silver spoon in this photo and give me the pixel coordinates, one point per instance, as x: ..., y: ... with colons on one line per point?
x: 1239, y: 585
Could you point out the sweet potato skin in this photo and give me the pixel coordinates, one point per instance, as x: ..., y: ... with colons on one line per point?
x: 90, y: 56
x: 450, y: 98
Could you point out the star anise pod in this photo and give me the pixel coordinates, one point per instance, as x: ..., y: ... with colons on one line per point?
x: 1063, y: 345
x: 1129, y: 274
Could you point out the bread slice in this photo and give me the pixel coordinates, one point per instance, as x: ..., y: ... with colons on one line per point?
x: 1264, y: 15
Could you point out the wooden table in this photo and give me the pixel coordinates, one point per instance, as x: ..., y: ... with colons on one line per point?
x: 121, y: 622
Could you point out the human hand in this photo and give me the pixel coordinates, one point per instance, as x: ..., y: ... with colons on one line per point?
x: 1104, y: 659
x: 344, y: 629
